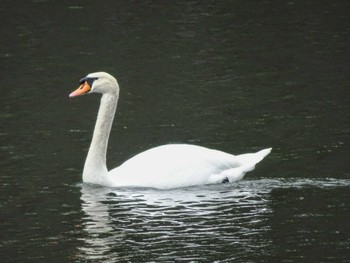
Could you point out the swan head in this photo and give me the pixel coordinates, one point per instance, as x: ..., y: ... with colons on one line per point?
x: 98, y: 82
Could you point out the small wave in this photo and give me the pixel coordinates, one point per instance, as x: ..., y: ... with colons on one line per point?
x: 164, y: 224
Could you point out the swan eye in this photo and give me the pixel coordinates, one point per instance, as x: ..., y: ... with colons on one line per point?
x: 89, y: 80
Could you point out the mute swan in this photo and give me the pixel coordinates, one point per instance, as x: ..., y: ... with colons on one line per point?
x: 163, y: 167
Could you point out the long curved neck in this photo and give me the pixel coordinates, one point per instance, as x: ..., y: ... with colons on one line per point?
x: 95, y: 168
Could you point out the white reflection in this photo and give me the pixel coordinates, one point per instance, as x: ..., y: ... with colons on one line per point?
x: 100, y: 237
x: 127, y: 223
x: 115, y: 218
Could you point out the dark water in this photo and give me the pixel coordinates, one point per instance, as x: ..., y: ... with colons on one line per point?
x: 232, y: 75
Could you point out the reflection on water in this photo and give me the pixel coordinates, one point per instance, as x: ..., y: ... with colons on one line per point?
x: 229, y: 75
x: 188, y: 224
x: 207, y: 223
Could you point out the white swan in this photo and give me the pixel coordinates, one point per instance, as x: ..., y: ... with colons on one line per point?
x: 164, y: 167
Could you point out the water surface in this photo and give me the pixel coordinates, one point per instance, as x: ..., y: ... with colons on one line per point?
x: 231, y: 75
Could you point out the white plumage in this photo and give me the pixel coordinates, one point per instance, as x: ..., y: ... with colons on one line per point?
x: 164, y: 167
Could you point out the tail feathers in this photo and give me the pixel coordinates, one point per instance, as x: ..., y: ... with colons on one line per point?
x: 250, y: 159
x: 247, y: 161
x: 262, y: 154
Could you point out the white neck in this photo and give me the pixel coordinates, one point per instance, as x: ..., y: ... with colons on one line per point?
x: 95, y: 169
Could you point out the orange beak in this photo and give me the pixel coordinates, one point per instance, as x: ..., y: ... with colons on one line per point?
x: 81, y: 90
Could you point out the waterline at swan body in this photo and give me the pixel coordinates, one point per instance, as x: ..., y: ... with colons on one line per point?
x: 165, y: 167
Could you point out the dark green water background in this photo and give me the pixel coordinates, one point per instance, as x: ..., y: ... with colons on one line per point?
x: 237, y: 76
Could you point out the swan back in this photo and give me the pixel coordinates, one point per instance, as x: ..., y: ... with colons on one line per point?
x: 182, y: 165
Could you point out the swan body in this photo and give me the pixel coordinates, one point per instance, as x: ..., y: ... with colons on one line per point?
x: 164, y: 167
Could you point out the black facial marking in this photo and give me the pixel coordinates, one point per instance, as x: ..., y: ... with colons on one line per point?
x: 89, y: 80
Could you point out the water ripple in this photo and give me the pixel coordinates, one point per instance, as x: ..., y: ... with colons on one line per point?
x: 194, y: 224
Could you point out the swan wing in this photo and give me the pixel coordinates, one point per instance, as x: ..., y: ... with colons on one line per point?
x: 181, y: 165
